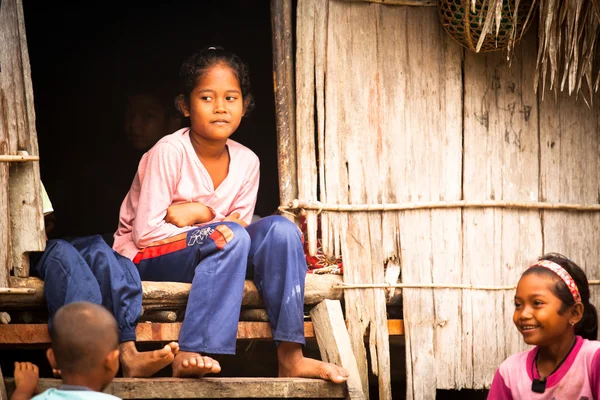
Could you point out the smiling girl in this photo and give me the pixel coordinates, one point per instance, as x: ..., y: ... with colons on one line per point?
x: 554, y: 313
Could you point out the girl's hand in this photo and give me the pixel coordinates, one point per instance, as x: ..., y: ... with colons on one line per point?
x: 188, y: 214
x: 235, y: 217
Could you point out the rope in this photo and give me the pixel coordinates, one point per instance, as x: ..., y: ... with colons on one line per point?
x: 428, y: 286
x: 536, y: 205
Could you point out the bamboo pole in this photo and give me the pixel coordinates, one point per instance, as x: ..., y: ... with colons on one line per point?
x: 18, y: 158
x: 534, y: 205
x: 283, y: 81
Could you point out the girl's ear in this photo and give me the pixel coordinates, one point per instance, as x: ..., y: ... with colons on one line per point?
x: 181, y: 105
x: 246, y: 104
x: 576, y: 313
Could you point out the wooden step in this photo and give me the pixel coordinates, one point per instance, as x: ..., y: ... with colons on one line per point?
x: 160, y: 332
x: 174, y: 295
x: 212, y: 388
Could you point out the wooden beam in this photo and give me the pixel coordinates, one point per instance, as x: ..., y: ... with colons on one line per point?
x: 418, y: 3
x: 213, y: 388
x: 334, y: 343
x: 173, y: 295
x: 22, y: 334
x: 283, y: 80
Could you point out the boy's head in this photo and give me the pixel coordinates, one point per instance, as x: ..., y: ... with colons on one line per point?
x: 85, y: 341
x: 150, y: 115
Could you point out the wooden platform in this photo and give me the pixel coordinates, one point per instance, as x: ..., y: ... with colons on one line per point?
x: 217, y: 388
x: 26, y: 334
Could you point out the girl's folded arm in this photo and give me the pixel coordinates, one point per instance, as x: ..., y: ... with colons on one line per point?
x: 245, y: 200
x: 157, y: 188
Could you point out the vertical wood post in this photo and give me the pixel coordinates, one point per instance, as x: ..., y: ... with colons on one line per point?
x: 283, y: 81
x: 22, y: 230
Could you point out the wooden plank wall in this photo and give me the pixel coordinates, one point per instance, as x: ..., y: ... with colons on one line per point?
x: 409, y: 116
x: 17, y: 133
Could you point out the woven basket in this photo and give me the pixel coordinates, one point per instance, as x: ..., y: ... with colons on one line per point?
x: 465, y: 26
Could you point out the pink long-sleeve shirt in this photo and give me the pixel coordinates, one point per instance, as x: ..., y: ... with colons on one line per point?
x: 171, y: 173
x: 578, y: 378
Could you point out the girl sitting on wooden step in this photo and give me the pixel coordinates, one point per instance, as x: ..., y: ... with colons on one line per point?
x: 554, y: 313
x: 186, y: 219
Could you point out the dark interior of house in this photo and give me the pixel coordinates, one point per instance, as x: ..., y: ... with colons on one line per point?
x: 88, y: 60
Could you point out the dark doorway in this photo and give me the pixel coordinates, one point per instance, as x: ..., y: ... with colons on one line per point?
x: 87, y: 56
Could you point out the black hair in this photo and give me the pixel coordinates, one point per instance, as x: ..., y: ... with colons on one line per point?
x: 587, y: 327
x: 199, y: 63
x: 82, y: 336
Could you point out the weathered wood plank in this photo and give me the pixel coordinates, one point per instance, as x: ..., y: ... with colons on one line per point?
x: 173, y: 295
x: 159, y: 332
x: 500, y: 163
x: 7, y: 128
x: 352, y: 162
x: 213, y: 388
x: 305, y: 114
x: 334, y: 343
x: 570, y: 161
x: 18, y: 116
x: 419, y: 159
x: 421, y: 3
x: 283, y: 80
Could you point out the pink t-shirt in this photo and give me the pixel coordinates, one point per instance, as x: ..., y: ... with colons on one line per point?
x: 578, y: 378
x: 171, y: 173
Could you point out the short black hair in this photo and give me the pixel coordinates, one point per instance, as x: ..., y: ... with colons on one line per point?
x: 588, y: 326
x: 82, y: 335
x: 198, y: 63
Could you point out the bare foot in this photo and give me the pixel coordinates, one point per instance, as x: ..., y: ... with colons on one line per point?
x: 145, y: 364
x: 188, y: 364
x: 26, y: 380
x: 292, y: 363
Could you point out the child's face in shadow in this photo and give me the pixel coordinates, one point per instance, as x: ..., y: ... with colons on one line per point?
x: 146, y: 121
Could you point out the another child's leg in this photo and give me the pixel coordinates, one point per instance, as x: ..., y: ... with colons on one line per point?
x: 277, y: 257
x: 121, y: 290
x: 213, y: 258
x: 67, y: 277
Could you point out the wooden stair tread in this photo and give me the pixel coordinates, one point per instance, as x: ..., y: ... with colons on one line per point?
x: 160, y: 332
x: 174, y: 295
x: 217, y: 388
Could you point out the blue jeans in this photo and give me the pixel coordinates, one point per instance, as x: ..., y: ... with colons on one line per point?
x: 87, y: 269
x: 214, y: 259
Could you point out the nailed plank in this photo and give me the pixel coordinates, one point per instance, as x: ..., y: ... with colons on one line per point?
x: 214, y: 388
x: 500, y: 163
x: 159, y: 332
x: 283, y: 72
x: 334, y: 343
